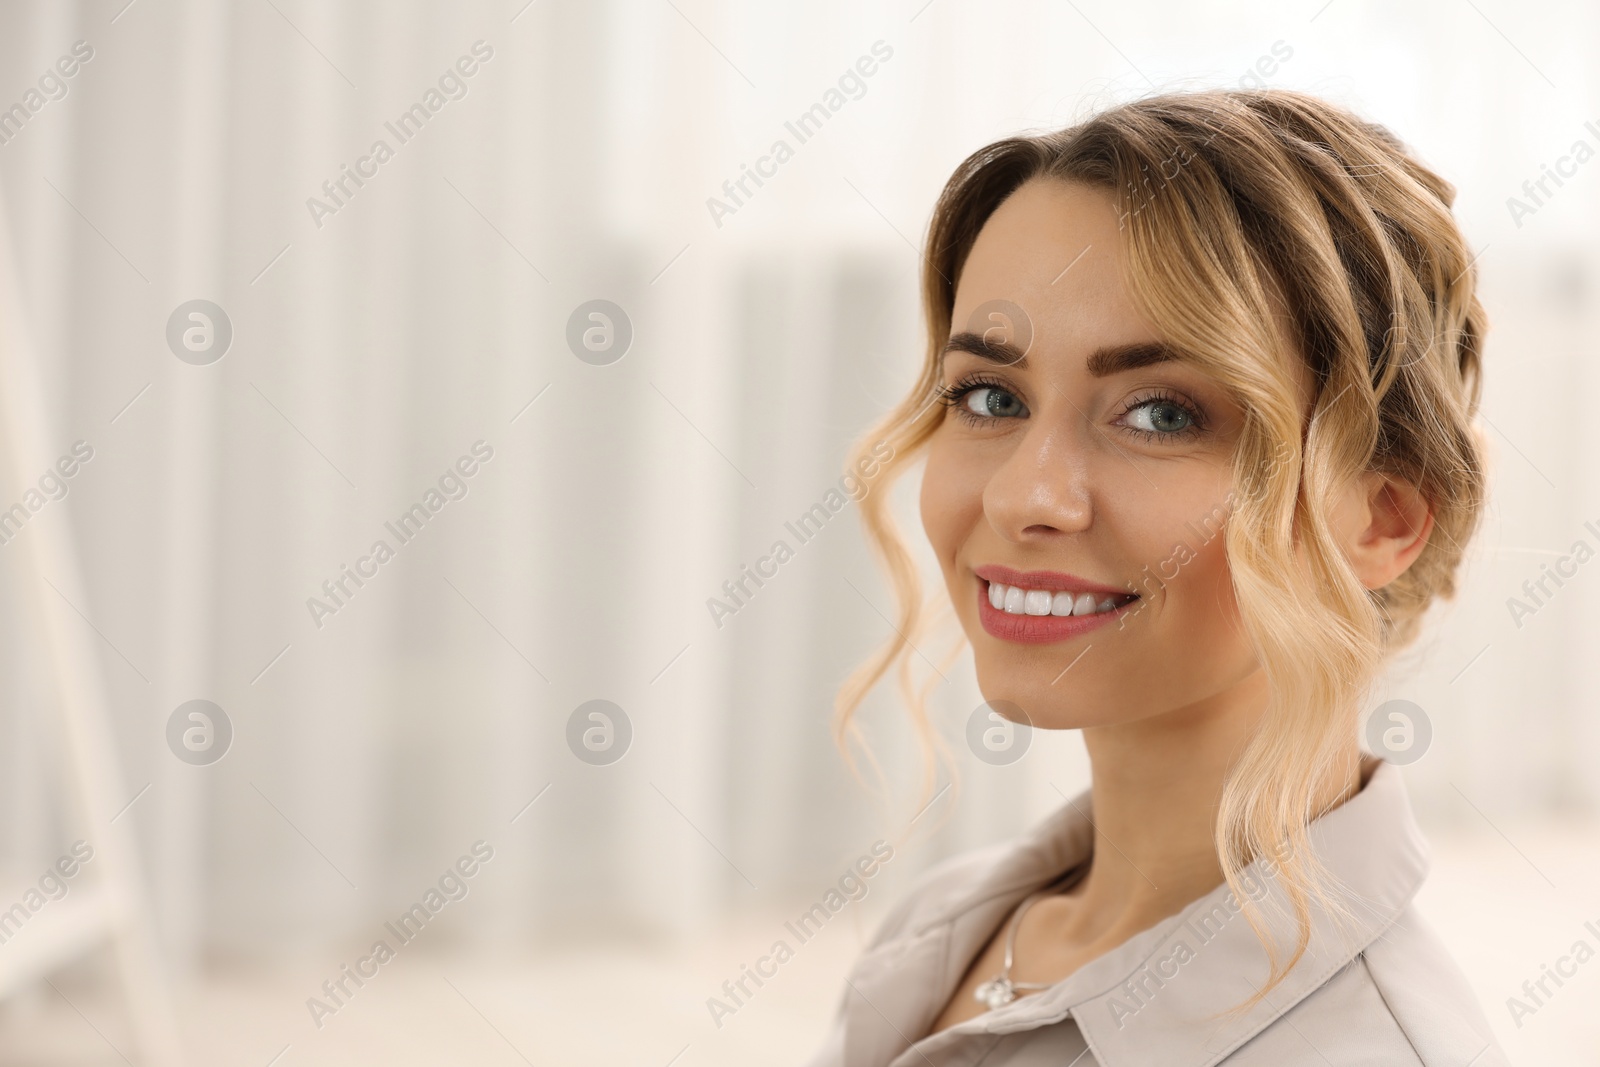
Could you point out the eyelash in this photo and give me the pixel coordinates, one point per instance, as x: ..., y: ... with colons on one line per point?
x: 1197, y: 422
x: 952, y: 396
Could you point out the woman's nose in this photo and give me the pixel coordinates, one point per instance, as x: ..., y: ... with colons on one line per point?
x: 1041, y: 489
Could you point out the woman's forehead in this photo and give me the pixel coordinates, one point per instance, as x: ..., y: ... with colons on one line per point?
x: 1053, y: 252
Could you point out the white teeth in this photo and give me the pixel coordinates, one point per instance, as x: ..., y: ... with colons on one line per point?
x: 1016, y: 601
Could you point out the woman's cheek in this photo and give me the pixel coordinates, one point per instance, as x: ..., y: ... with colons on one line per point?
x: 1209, y: 608
x: 945, y: 500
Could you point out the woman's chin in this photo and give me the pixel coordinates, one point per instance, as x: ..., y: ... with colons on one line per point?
x: 1044, y: 708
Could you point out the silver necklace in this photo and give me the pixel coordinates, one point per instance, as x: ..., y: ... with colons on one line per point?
x: 1000, y: 989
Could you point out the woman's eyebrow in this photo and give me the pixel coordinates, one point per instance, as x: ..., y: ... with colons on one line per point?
x: 1002, y: 352
x: 1114, y: 359
x: 1102, y: 363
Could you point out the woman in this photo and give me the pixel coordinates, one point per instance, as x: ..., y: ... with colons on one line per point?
x: 1207, y: 366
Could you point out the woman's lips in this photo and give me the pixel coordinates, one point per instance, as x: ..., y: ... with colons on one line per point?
x: 1042, y: 629
x: 993, y: 572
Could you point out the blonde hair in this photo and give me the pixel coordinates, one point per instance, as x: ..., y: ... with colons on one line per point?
x: 1241, y: 207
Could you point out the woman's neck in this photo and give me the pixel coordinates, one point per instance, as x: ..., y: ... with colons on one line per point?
x: 1157, y: 784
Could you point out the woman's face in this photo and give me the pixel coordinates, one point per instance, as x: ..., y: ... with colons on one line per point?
x: 1083, y: 487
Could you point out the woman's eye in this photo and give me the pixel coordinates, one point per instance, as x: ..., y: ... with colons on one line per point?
x: 1160, y: 417
x: 987, y: 402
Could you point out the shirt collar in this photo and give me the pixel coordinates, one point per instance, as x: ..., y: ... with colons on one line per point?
x: 1163, y: 995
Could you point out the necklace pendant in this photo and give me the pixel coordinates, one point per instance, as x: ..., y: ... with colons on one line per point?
x: 996, y: 992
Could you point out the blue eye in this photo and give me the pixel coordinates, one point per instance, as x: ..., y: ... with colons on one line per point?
x: 977, y: 400
x: 1161, y: 416
x: 989, y: 402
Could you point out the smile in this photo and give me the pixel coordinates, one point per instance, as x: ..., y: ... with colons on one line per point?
x: 1041, y: 607
x: 1015, y: 600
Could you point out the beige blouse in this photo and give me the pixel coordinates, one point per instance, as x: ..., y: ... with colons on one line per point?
x: 1378, y: 988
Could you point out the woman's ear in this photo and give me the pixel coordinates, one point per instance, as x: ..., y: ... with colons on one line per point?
x: 1383, y: 524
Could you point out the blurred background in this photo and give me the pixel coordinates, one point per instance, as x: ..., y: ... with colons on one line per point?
x: 275, y: 341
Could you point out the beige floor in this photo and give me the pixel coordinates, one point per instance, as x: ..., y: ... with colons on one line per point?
x: 1505, y: 909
